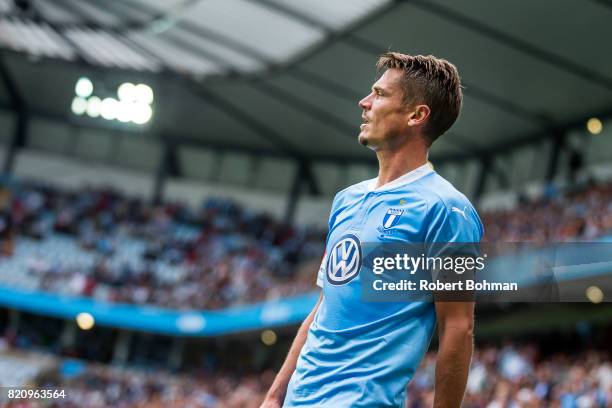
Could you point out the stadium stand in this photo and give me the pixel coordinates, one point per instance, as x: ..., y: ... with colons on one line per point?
x: 511, y: 376
x: 20, y: 369
x: 514, y: 374
x: 579, y: 213
x: 101, y: 244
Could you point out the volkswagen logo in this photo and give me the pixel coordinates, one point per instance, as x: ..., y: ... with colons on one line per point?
x: 344, y: 261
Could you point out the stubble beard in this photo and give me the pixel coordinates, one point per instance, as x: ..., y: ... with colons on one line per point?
x: 366, y: 142
x: 363, y: 140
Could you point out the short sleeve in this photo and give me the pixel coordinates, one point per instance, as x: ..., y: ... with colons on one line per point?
x: 449, y: 225
x: 322, y: 271
x: 330, y: 224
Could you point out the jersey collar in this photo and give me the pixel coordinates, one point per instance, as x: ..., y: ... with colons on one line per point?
x: 407, y: 178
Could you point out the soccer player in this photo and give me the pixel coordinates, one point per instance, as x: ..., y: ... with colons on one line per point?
x: 352, y: 353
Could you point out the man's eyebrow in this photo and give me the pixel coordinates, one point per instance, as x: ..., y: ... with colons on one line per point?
x: 377, y: 88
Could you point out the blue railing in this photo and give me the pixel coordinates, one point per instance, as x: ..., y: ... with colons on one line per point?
x: 163, y: 321
x: 262, y: 315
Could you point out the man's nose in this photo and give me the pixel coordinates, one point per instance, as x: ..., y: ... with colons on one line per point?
x: 365, y: 103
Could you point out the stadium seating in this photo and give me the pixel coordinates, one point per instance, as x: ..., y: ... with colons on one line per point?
x: 99, y: 243
x: 519, y: 376
x: 18, y: 369
x: 512, y: 375
x: 102, y: 244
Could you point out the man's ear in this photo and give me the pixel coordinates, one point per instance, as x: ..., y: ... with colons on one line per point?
x: 418, y: 115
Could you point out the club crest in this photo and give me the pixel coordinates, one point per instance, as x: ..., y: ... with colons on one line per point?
x: 391, y: 218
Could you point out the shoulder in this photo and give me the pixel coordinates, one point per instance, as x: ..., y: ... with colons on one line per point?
x: 352, y: 192
x: 441, y: 195
x: 447, y: 205
x: 346, y: 198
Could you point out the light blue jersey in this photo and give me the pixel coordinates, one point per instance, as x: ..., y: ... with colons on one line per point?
x: 363, y: 354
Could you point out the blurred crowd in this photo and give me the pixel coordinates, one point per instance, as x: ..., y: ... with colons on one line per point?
x: 101, y: 386
x: 582, y: 214
x: 500, y: 377
x: 205, y: 258
x: 518, y: 377
x: 105, y: 387
x: 222, y: 254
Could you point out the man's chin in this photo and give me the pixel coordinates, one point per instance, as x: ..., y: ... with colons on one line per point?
x: 367, y: 142
x: 363, y: 139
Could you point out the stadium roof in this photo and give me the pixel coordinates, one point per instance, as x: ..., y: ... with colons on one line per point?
x: 283, y: 77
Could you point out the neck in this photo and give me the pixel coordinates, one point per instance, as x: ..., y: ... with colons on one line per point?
x: 394, y: 163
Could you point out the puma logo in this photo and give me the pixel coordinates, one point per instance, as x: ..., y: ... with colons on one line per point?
x: 457, y: 210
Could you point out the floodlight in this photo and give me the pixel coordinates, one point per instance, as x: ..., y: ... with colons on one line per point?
x: 83, y: 87
x: 93, y: 107
x: 268, y: 337
x: 79, y: 105
x: 127, y: 92
x: 141, y: 113
x: 594, y: 126
x: 144, y: 93
x: 124, y: 111
x: 108, y: 108
x: 85, y: 321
